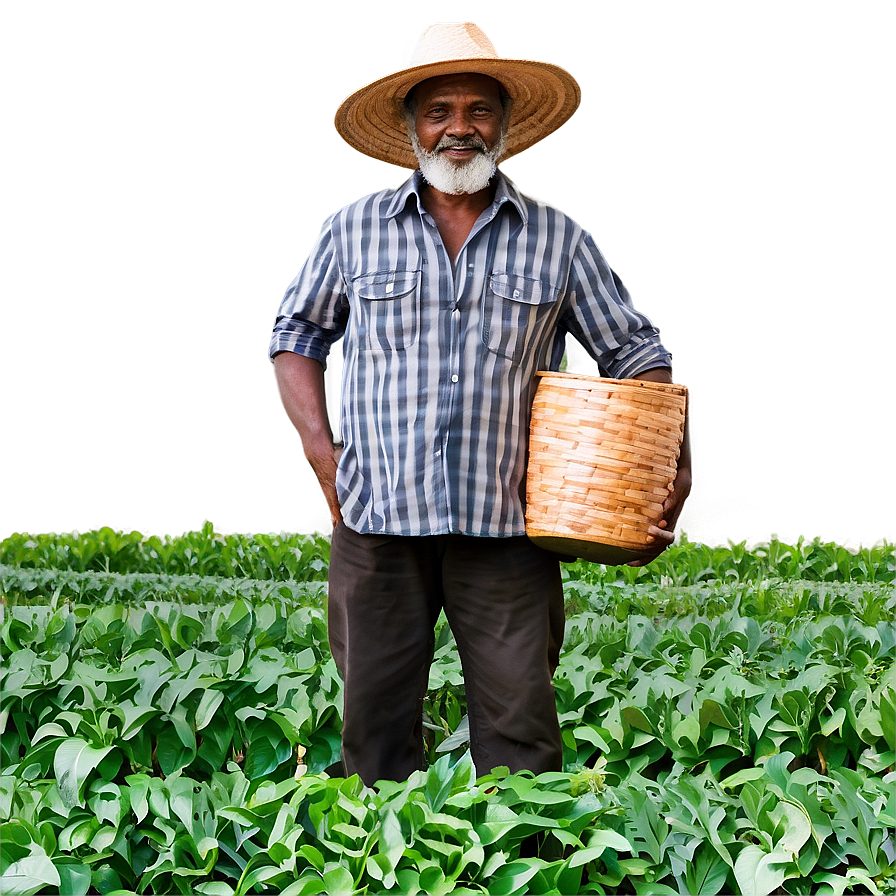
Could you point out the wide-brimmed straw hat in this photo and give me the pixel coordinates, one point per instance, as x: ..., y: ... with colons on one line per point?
x: 544, y: 95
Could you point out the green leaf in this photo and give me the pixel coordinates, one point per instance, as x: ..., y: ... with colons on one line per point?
x: 442, y: 778
x: 312, y: 855
x: 569, y: 880
x: 265, y: 753
x: 391, y: 842
x: 605, y: 838
x: 742, y: 777
x: 459, y: 738
x: 760, y: 873
x: 888, y: 716
x: 338, y: 881
x: 707, y: 873
x: 712, y: 712
x: 29, y: 875
x: 108, y: 803
x: 636, y: 718
x: 138, y: 790
x: 794, y: 826
x: 75, y: 759
x: 687, y: 729
x: 51, y: 729
x: 74, y: 877
x: 214, y: 888
x: 208, y: 706
x: 308, y: 884
x: 511, y: 878
x: 135, y: 717
x: 235, y: 661
x: 178, y: 717
x: 838, y: 884
x: 598, y: 841
x: 834, y: 722
x: 171, y: 753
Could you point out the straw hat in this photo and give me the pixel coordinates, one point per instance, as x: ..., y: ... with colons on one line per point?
x: 544, y: 95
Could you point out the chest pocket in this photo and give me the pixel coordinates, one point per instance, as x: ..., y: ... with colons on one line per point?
x: 517, y: 313
x: 388, y: 310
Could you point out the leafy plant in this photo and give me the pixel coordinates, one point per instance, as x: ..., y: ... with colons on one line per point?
x: 170, y: 719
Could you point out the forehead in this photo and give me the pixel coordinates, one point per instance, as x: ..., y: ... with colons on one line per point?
x: 466, y: 84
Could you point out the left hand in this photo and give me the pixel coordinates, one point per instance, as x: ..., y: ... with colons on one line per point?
x: 663, y: 533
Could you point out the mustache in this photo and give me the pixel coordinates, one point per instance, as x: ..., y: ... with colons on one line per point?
x: 461, y: 143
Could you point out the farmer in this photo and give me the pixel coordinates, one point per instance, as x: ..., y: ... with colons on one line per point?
x: 450, y: 293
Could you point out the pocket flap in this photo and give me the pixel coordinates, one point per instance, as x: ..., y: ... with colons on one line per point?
x: 523, y: 289
x: 386, y: 284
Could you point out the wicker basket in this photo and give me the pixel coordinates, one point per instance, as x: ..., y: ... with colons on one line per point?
x: 602, y: 455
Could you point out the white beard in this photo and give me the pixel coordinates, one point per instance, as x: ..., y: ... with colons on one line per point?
x: 453, y: 178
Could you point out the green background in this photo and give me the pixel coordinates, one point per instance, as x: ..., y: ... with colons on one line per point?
x: 166, y: 165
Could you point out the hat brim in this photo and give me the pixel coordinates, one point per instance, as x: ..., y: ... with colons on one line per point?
x: 544, y: 97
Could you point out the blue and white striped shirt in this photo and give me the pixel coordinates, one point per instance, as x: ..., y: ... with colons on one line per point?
x: 440, y: 358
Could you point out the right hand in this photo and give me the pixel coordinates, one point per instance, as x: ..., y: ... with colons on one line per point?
x: 302, y: 390
x: 323, y: 458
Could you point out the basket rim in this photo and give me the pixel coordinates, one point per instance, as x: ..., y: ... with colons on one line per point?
x: 675, y: 388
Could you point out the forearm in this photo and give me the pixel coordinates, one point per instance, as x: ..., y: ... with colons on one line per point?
x: 301, y: 384
x: 664, y: 375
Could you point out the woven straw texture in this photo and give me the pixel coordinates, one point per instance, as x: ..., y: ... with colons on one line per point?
x: 602, y: 455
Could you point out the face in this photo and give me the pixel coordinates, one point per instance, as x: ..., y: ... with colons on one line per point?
x: 462, y: 107
x: 458, y: 131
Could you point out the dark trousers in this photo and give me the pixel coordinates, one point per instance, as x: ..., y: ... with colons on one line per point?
x: 503, y: 599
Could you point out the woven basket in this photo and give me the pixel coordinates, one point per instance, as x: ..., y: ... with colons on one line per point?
x: 602, y: 455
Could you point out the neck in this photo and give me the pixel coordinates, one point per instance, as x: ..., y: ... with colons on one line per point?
x: 435, y: 201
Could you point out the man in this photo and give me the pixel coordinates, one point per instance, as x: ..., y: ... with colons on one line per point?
x: 450, y: 292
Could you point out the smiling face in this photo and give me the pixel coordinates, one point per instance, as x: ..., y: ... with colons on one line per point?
x: 461, y: 107
x: 457, y: 131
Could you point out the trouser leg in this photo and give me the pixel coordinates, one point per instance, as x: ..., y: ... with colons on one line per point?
x: 504, y: 600
x: 384, y: 599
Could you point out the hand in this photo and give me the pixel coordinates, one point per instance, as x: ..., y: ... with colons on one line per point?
x: 663, y: 533
x: 323, y: 458
x: 301, y: 384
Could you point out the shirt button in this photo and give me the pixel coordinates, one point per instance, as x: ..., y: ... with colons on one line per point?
x: 516, y: 293
x: 454, y: 378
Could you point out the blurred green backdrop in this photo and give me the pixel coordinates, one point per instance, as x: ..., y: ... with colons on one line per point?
x: 166, y: 165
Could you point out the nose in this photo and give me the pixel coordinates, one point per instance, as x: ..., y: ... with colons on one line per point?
x: 460, y: 124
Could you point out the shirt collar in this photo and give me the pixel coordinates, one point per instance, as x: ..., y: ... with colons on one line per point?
x: 505, y: 191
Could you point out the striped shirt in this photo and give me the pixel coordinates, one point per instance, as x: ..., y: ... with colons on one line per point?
x: 440, y: 358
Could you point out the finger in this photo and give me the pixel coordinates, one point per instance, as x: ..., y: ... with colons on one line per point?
x: 663, y: 535
x: 652, y: 530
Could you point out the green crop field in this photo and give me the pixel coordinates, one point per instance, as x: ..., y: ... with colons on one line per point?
x: 171, y: 714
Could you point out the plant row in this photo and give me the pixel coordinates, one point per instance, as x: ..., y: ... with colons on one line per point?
x: 779, y: 599
x: 172, y: 748
x: 305, y: 558
x: 447, y: 831
x: 30, y: 586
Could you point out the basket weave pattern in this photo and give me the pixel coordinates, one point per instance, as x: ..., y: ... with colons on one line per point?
x: 602, y: 455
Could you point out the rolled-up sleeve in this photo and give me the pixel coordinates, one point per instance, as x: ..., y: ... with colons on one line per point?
x: 314, y: 310
x: 600, y: 315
